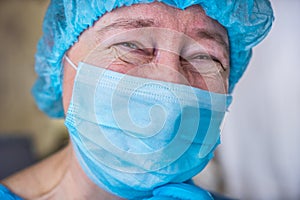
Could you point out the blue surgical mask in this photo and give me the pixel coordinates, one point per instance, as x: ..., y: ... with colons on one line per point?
x: 133, y: 134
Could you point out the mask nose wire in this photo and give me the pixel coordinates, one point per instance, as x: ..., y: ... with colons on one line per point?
x: 70, y: 62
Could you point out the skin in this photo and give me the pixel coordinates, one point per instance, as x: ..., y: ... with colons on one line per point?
x: 60, y: 176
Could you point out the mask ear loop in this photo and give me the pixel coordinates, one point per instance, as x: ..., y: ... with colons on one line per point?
x: 70, y: 62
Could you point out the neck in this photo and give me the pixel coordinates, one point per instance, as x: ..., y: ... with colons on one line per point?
x: 75, y: 184
x: 57, y: 177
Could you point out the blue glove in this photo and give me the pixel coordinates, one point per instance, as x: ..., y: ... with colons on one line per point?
x: 180, y: 191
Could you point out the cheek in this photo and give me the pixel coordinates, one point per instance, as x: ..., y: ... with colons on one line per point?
x: 68, y: 82
x: 217, y: 83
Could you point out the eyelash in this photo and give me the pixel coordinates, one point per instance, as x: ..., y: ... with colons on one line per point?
x: 206, y: 57
x: 128, y: 45
x: 219, y: 62
x: 136, y: 48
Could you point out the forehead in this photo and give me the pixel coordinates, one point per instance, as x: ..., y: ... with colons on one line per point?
x: 187, y: 21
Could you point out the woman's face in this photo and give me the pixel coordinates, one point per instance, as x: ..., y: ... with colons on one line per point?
x: 158, y: 42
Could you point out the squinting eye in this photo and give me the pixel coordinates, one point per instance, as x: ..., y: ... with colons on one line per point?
x: 203, y: 64
x: 129, y: 45
x: 203, y: 57
x: 132, y: 53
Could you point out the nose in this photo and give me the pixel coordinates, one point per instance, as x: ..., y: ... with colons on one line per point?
x: 167, y: 67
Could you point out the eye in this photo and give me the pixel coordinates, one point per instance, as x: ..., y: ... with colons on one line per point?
x: 203, y: 64
x: 133, y: 53
x: 202, y: 57
x: 129, y: 45
x: 223, y: 69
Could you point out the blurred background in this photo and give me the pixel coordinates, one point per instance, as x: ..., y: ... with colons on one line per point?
x: 258, y: 157
x: 25, y: 132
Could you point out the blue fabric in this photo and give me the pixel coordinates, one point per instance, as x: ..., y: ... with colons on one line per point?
x: 6, y: 194
x: 126, y: 151
x: 247, y: 23
x: 180, y: 191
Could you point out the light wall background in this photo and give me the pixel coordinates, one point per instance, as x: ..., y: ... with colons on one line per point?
x: 260, y: 154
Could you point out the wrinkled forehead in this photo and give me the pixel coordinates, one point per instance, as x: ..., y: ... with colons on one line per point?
x: 188, y: 21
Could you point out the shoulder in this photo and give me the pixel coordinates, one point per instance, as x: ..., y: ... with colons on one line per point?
x: 50, y: 169
x: 6, y: 194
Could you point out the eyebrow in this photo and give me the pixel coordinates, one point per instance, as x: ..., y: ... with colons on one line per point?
x: 204, y: 34
x: 127, y: 24
x: 123, y: 23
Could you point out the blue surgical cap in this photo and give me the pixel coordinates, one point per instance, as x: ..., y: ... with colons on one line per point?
x: 247, y: 23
